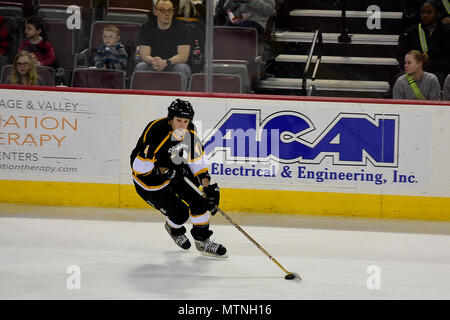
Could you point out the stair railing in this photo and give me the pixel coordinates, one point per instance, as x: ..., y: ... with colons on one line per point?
x: 317, y: 38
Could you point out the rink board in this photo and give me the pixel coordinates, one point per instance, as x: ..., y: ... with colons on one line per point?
x: 275, y: 154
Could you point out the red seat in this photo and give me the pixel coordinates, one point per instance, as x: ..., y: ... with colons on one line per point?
x: 129, y: 33
x: 45, y: 72
x: 237, y: 43
x: 98, y: 78
x: 223, y: 83
x: 149, y: 80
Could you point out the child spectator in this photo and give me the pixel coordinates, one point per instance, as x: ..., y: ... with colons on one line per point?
x: 111, y: 54
x: 24, y: 71
x: 416, y: 84
x: 36, y: 42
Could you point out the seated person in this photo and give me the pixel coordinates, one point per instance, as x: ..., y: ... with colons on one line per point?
x: 24, y: 71
x: 5, y: 43
x: 194, y: 10
x: 416, y: 84
x: 249, y: 13
x: 111, y: 54
x: 446, y: 89
x: 429, y: 36
x: 444, y: 12
x: 164, y: 43
x: 36, y: 42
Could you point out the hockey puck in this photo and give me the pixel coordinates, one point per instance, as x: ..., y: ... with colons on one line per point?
x: 289, y: 276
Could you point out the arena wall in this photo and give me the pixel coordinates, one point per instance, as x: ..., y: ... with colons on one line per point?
x: 274, y: 154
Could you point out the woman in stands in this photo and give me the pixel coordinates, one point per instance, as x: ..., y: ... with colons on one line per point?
x: 416, y: 84
x: 24, y: 71
x: 429, y: 36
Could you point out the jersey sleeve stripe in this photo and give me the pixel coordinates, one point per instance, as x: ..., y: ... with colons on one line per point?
x: 141, y: 166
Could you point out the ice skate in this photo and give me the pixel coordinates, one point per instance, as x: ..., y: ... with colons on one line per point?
x: 180, y: 240
x: 211, y: 249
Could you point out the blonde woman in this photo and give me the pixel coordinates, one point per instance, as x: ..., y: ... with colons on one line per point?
x: 416, y: 84
x: 24, y: 71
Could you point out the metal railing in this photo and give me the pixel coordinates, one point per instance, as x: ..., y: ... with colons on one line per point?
x: 317, y: 38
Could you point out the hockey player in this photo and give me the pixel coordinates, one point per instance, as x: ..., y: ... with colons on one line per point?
x: 167, y: 151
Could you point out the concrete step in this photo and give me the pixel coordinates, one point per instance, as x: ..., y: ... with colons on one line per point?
x: 326, y: 87
x: 336, y: 67
x: 385, y: 5
x: 361, y: 45
x: 357, y: 21
x: 338, y: 60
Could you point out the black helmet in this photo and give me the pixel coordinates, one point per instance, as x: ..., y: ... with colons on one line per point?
x: 180, y: 108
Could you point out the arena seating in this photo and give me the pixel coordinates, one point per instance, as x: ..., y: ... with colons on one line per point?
x: 222, y: 83
x: 149, y: 80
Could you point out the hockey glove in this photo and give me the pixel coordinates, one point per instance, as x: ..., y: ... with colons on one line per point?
x: 169, y: 174
x: 212, y: 193
x: 182, y: 170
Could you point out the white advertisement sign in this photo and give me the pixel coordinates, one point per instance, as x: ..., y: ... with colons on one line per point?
x: 59, y: 136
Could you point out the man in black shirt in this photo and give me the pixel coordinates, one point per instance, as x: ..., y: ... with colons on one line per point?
x: 169, y: 150
x: 164, y: 43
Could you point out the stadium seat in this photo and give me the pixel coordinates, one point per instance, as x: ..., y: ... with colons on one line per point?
x: 239, y: 45
x: 129, y: 33
x: 149, y: 80
x: 137, y: 11
x: 221, y: 83
x: 98, y: 78
x: 46, y: 73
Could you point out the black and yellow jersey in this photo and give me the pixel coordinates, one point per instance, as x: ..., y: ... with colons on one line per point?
x: 160, y: 147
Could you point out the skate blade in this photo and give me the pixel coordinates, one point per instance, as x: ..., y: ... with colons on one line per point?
x: 211, y: 255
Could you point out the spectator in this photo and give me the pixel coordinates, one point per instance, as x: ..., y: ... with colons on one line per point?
x: 446, y: 89
x: 5, y: 42
x: 111, y: 54
x: 190, y: 9
x: 164, y: 43
x: 249, y: 13
x: 431, y: 37
x: 36, y: 42
x: 416, y: 84
x: 24, y: 71
x: 442, y: 5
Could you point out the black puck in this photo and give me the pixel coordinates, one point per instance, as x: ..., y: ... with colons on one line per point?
x: 289, y: 276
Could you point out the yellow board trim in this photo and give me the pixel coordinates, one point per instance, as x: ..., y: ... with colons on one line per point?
x: 243, y: 200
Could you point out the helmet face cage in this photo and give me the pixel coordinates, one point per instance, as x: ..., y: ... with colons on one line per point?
x: 180, y: 108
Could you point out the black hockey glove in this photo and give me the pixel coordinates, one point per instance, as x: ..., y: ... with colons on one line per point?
x: 169, y: 174
x: 212, y: 193
x: 182, y: 170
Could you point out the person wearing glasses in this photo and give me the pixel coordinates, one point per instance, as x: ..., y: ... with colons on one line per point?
x: 164, y: 43
x: 24, y: 71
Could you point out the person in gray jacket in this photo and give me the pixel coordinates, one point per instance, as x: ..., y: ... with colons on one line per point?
x: 249, y: 13
x: 417, y: 84
x: 446, y: 89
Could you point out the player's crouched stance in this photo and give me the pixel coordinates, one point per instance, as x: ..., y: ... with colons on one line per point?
x: 167, y: 151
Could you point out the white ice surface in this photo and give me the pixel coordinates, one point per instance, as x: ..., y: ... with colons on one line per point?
x: 138, y: 260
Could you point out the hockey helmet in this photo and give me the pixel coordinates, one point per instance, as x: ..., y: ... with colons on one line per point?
x: 180, y: 108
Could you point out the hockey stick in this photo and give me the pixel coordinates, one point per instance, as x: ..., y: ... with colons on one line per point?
x: 289, y: 275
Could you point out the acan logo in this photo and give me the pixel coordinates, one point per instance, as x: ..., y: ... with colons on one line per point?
x: 350, y: 139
